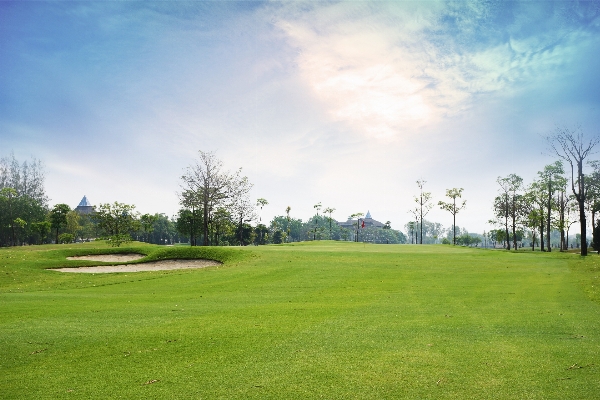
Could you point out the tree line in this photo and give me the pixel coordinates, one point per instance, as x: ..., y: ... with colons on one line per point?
x: 217, y: 210
x: 564, y: 193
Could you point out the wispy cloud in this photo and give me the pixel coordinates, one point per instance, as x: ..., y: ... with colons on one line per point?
x: 388, y: 72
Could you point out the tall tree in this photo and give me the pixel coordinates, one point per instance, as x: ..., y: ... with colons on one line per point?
x: 73, y: 226
x: 189, y: 224
x: 147, y: 221
x: 536, y: 209
x: 261, y: 203
x: 511, y: 187
x: 9, y: 211
x: 316, y: 207
x: 26, y: 178
x: 501, y: 210
x: 452, y: 207
x: 424, y: 202
x: 329, y: 211
x: 563, y: 200
x: 240, y: 206
x: 573, y: 147
x: 58, y: 217
x: 287, y: 212
x: 206, y: 185
x: 551, y: 178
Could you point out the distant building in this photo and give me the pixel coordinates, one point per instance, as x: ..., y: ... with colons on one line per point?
x: 368, y: 220
x: 84, y: 207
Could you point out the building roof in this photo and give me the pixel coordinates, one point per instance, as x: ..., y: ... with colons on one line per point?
x: 84, y: 202
x: 368, y: 220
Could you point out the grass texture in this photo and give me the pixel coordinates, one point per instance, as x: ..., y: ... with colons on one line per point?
x: 308, y: 320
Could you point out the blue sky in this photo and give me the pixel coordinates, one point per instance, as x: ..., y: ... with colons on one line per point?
x: 343, y: 103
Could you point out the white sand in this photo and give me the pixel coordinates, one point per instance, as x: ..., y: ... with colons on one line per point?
x: 163, y: 265
x: 110, y: 257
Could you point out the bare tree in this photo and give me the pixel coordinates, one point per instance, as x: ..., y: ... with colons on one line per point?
x: 207, y: 185
x: 27, y: 179
x: 573, y: 147
x: 424, y: 202
x: 452, y: 207
x: 240, y: 205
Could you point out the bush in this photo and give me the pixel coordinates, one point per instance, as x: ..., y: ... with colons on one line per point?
x: 66, y: 238
x: 446, y: 241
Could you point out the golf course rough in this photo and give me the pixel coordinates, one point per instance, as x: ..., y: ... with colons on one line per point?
x: 306, y: 320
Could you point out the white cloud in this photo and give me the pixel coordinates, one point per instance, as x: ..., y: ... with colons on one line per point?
x: 385, y: 74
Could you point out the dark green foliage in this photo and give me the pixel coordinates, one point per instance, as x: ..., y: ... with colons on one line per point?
x: 116, y: 221
x: 189, y: 224
x: 277, y: 237
x: 58, y: 218
x: 66, y: 238
x: 261, y: 234
x: 19, y: 218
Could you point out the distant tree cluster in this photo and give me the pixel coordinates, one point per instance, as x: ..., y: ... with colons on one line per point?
x: 23, y: 202
x: 284, y: 229
x: 417, y: 230
x: 217, y: 209
x: 560, y: 196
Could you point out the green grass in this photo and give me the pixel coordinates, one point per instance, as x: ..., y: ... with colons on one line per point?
x: 308, y: 320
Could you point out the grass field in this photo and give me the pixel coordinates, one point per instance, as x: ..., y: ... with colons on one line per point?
x: 308, y: 320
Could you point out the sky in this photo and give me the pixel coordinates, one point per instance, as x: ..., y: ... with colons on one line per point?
x: 346, y: 104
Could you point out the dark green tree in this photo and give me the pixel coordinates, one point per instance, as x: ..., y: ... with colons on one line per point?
x: 116, y: 221
x: 58, y: 217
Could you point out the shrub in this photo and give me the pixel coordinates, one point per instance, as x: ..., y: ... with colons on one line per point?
x: 66, y: 238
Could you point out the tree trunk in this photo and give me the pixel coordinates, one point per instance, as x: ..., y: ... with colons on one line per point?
x: 421, y: 240
x: 584, y: 251
x: 581, y: 201
x: 561, y: 220
x: 454, y: 220
x: 514, y: 229
x: 506, y: 222
x: 542, y: 236
x: 507, y: 233
x: 549, y: 208
x: 205, y: 224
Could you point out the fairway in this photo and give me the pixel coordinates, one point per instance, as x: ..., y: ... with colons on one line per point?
x: 333, y: 320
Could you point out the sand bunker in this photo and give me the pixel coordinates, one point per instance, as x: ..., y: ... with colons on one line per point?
x: 149, y: 266
x: 110, y: 257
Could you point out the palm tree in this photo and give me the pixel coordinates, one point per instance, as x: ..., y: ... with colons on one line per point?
x: 317, y: 207
x: 261, y: 203
x: 329, y: 211
x: 287, y: 211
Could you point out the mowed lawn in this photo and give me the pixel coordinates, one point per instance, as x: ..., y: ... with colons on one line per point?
x: 310, y: 320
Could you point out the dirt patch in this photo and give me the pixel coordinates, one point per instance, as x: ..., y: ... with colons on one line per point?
x: 163, y: 265
x: 110, y: 257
